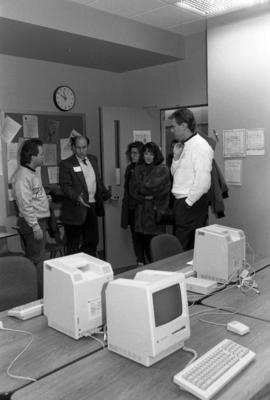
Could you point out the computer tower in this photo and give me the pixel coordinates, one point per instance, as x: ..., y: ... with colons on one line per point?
x: 219, y: 252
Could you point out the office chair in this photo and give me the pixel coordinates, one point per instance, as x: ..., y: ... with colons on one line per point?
x: 4, y: 250
x: 163, y: 246
x: 18, y: 281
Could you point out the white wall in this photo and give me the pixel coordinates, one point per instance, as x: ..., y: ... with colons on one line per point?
x: 178, y: 83
x: 239, y: 97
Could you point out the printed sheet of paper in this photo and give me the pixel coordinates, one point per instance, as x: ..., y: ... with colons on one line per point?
x: 12, y: 166
x: 142, y: 136
x: 30, y: 126
x: 12, y: 159
x: 12, y: 151
x: 10, y: 129
x: 53, y: 174
x: 234, y: 143
x: 50, y: 154
x: 74, y: 133
x: 65, y: 149
x: 52, y: 130
x: 255, y: 142
x: 233, y: 172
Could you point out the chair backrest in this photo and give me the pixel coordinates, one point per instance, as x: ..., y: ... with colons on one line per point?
x: 163, y: 246
x: 3, y: 241
x: 18, y: 281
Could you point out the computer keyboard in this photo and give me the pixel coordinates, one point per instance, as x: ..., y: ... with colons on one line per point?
x: 28, y: 310
x: 212, y: 371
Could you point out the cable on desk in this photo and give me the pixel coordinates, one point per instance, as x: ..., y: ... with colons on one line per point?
x: 232, y: 311
x: 18, y: 356
x: 192, y: 351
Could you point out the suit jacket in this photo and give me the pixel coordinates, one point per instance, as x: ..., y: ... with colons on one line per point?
x: 73, y: 185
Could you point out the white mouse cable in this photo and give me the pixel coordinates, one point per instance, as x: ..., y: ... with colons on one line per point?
x: 17, y: 357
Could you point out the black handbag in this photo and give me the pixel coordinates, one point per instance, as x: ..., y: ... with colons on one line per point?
x: 164, y: 216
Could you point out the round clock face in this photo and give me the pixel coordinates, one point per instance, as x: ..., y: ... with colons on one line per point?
x: 64, y: 98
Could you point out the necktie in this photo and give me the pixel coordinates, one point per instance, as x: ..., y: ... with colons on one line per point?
x: 84, y: 161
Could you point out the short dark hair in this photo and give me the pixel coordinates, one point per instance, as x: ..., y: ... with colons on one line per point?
x: 152, y: 147
x: 73, y: 140
x: 133, y: 145
x: 29, y: 148
x: 184, y: 115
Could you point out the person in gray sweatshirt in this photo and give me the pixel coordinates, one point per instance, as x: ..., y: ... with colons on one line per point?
x: 33, y: 205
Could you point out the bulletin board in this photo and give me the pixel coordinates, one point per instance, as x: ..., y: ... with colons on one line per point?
x: 54, y: 130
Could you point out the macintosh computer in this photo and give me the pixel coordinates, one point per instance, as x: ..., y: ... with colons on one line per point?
x: 147, y: 317
x: 219, y: 253
x: 74, y: 293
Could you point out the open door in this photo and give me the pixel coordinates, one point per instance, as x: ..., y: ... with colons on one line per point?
x: 117, y: 131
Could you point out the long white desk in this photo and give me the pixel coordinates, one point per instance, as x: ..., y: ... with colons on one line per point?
x: 49, y: 351
x: 247, y: 303
x: 108, y: 376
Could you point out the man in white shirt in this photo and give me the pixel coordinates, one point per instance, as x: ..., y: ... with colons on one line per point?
x: 191, y: 170
x: 33, y: 205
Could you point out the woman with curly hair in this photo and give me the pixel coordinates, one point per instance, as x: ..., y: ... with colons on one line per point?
x: 150, y: 187
x: 128, y: 202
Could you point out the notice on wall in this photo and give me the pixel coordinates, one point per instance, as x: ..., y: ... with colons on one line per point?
x: 65, y: 149
x: 30, y: 126
x: 53, y: 175
x: 142, y: 136
x: 233, y: 172
x: 9, y: 129
x: 234, y: 143
x: 255, y: 142
x: 50, y: 154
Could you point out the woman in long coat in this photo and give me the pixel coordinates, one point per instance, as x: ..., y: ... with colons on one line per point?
x: 150, y: 187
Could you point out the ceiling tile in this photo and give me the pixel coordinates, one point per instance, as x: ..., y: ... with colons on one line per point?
x: 166, y: 17
x: 126, y: 8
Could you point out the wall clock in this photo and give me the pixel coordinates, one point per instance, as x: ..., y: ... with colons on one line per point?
x: 64, y: 98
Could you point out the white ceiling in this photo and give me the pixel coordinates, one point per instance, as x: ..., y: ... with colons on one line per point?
x: 163, y: 14
x: 33, y: 39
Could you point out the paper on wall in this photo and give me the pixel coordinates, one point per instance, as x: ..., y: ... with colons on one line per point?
x: 10, y: 129
x: 255, y: 142
x: 30, y: 126
x: 53, y: 174
x: 234, y: 143
x: 233, y: 172
x: 50, y: 154
x: 142, y: 136
x: 65, y: 149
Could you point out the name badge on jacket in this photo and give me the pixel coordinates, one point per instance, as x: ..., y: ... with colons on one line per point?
x: 77, y: 169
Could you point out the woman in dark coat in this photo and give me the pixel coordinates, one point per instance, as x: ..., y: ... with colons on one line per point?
x: 150, y: 186
x: 129, y: 203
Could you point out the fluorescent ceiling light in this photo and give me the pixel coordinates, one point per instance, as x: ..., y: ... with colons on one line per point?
x: 215, y: 7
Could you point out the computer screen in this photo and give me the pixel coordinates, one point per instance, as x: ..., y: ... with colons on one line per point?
x: 219, y: 253
x: 147, y: 317
x: 167, y: 304
x: 74, y: 299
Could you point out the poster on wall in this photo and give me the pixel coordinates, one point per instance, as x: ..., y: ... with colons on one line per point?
x: 233, y: 172
x: 10, y: 129
x: 234, y: 143
x: 30, y: 126
x: 255, y: 142
x: 142, y: 136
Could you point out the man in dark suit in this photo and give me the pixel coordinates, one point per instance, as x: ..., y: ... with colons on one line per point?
x: 84, y: 193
